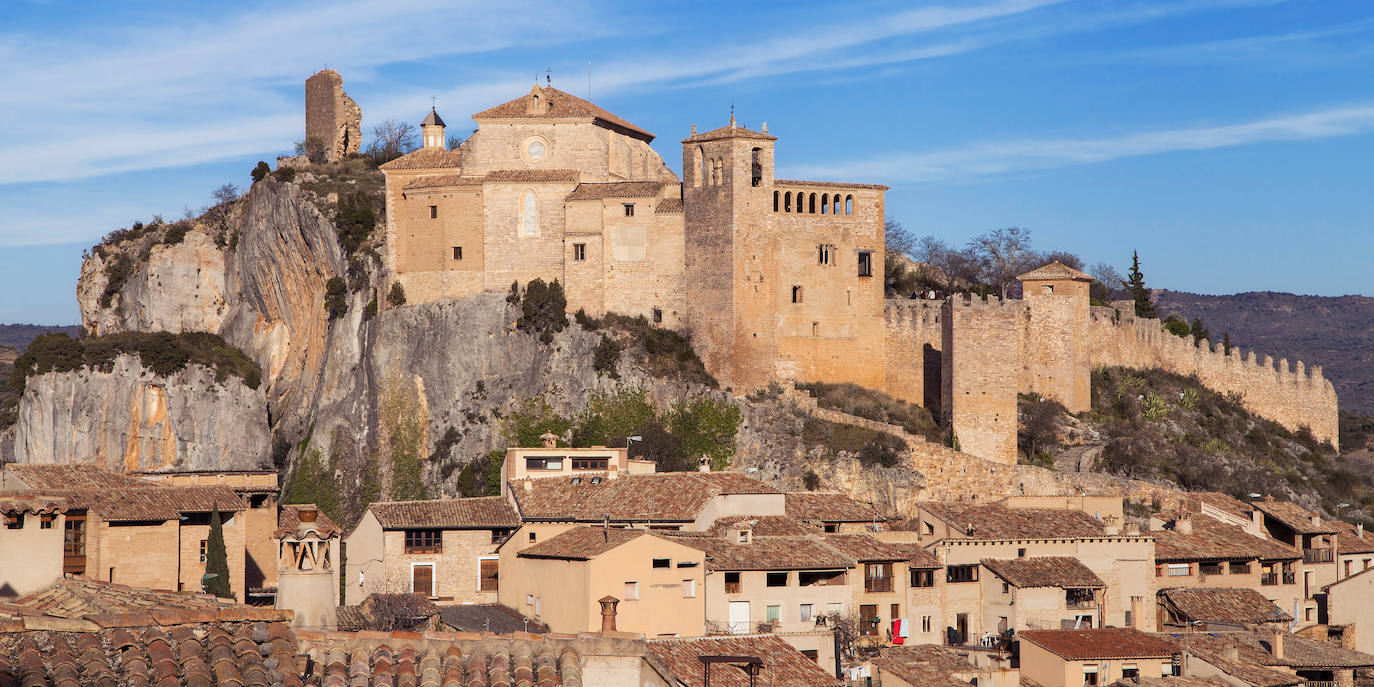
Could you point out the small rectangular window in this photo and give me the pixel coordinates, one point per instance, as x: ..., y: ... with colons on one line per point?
x: 774, y: 613
x: 865, y: 263
x: 629, y: 209
x: 457, y: 252
x: 806, y: 611
x: 776, y: 579
x: 204, y: 546
x: 579, y: 252
x: 658, y: 315
x: 663, y: 563
x: 434, y: 212
x: 825, y: 254
x: 533, y: 537
x: 689, y: 589
x: 732, y: 585
x: 796, y: 294
x: 961, y: 573
x: 424, y: 541
x: 923, y: 578
x: 631, y: 591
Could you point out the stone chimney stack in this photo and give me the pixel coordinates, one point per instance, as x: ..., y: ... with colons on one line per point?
x: 1184, y: 524
x: 703, y: 464
x: 1110, y: 526
x: 1131, y: 529
x: 549, y: 439
x: 608, y: 604
x: 1276, y: 643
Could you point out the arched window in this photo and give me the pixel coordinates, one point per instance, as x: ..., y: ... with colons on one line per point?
x: 529, y: 215
x: 835, y: 208
x: 775, y: 201
x: 825, y: 203
x: 849, y: 205
x: 812, y: 207
x: 720, y: 170
x: 787, y: 203
x: 698, y: 167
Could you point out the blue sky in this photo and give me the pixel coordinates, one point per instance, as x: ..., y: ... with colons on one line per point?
x: 1229, y: 141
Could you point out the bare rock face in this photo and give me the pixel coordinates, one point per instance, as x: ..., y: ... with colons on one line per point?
x: 131, y: 419
x: 179, y: 289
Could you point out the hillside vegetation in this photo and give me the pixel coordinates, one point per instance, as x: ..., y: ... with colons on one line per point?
x: 1150, y: 424
x: 162, y: 352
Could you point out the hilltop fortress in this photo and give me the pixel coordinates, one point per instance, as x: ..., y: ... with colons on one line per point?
x: 774, y: 279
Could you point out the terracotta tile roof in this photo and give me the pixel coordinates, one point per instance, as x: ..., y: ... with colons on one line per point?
x: 669, y: 206
x: 767, y: 553
x: 148, y: 503
x: 1000, y: 522
x: 1174, y: 682
x: 1044, y: 571
x: 28, y: 503
x: 661, y: 497
x: 1223, y: 502
x: 1247, y: 671
x: 432, y: 659
x: 489, y: 618
x: 531, y: 175
x: 920, y: 558
x: 247, y: 654
x: 1100, y: 643
x: 782, y: 664
x: 424, y: 158
x: 1215, y: 540
x: 1056, y: 270
x: 433, y: 119
x: 766, y: 526
x: 558, y: 105
x: 826, y: 184
x: 289, y: 520
x: 615, y: 189
x: 828, y: 506
x: 106, y: 604
x: 1253, y: 647
x: 1222, y: 605
x: 479, y: 513
x: 582, y: 543
x: 730, y: 130
x: 866, y: 548
x: 1348, y: 539
x: 72, y: 476
x: 923, y: 665
x: 1296, y: 517
x: 442, y: 181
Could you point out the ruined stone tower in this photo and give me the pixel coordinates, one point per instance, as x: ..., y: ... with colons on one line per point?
x: 333, y: 122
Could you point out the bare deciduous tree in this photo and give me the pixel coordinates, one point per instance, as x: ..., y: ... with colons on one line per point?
x: 1001, y: 254
x: 391, y: 139
x: 847, y: 633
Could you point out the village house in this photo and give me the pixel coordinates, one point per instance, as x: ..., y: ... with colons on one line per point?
x: 550, y: 460
x: 690, y: 661
x: 1100, y: 656
x: 963, y: 535
x: 655, y: 584
x: 32, y: 542
x: 833, y: 512
x: 1039, y: 592
x: 1354, y: 550
x: 1210, y: 609
x: 1316, y: 663
x: 928, y: 665
x: 125, y: 529
x: 444, y: 549
x: 1348, y: 603
x: 1206, y: 552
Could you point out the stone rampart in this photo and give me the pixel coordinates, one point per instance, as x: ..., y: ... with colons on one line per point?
x: 980, y: 366
x: 1294, y: 395
x: 912, y: 369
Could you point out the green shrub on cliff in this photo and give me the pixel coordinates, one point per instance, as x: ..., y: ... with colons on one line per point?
x: 354, y: 221
x: 543, y: 309
x: 162, y: 352
x: 336, y: 297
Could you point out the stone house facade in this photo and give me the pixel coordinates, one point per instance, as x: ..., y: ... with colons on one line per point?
x: 444, y: 549
x: 31, y: 536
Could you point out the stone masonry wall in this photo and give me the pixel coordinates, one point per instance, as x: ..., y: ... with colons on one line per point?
x: 1293, y: 396
x: 981, y: 362
x: 912, y: 330
x: 1055, y: 350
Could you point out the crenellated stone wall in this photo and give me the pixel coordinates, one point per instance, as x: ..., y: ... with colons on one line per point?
x: 1292, y: 395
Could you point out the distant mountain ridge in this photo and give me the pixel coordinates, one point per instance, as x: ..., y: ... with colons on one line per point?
x: 19, y: 335
x: 1335, y: 332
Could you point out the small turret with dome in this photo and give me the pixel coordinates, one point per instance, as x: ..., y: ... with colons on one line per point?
x: 432, y: 130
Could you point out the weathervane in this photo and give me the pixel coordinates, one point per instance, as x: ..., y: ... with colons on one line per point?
x: 548, y: 75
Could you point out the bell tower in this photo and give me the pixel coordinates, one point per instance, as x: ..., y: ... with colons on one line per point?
x: 432, y: 130
x: 727, y: 194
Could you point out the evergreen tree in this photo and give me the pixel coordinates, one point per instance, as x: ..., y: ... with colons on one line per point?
x: 1199, y: 331
x: 1144, y: 307
x: 1226, y: 342
x: 216, y: 559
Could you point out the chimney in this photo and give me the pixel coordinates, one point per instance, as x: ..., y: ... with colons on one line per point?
x: 1231, y: 651
x: 1132, y: 529
x: 1359, y: 530
x: 528, y: 484
x: 1276, y: 643
x: 608, y: 604
x: 1110, y: 527
x: 307, y: 516
x: 549, y: 439
x: 703, y: 464
x: 1183, y: 524
x: 1316, y: 520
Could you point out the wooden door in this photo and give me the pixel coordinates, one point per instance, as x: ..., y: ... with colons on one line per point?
x: 422, y: 579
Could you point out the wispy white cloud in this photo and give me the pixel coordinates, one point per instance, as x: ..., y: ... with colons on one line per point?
x: 1002, y: 157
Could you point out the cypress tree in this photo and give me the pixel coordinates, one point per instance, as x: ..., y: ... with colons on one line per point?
x: 216, y: 559
x: 1144, y: 307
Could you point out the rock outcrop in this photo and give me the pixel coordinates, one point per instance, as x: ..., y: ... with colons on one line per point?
x: 131, y: 419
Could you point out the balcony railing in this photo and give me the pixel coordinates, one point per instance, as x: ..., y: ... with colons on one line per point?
x: 1318, y: 555
x: 1269, y: 579
x: 1290, y: 578
x: 1081, y: 603
x: 1319, y: 683
x: 878, y: 584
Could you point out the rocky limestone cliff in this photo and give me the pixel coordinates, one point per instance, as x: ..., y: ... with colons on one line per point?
x: 134, y: 420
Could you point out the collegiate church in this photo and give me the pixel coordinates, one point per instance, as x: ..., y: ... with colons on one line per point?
x: 774, y: 279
